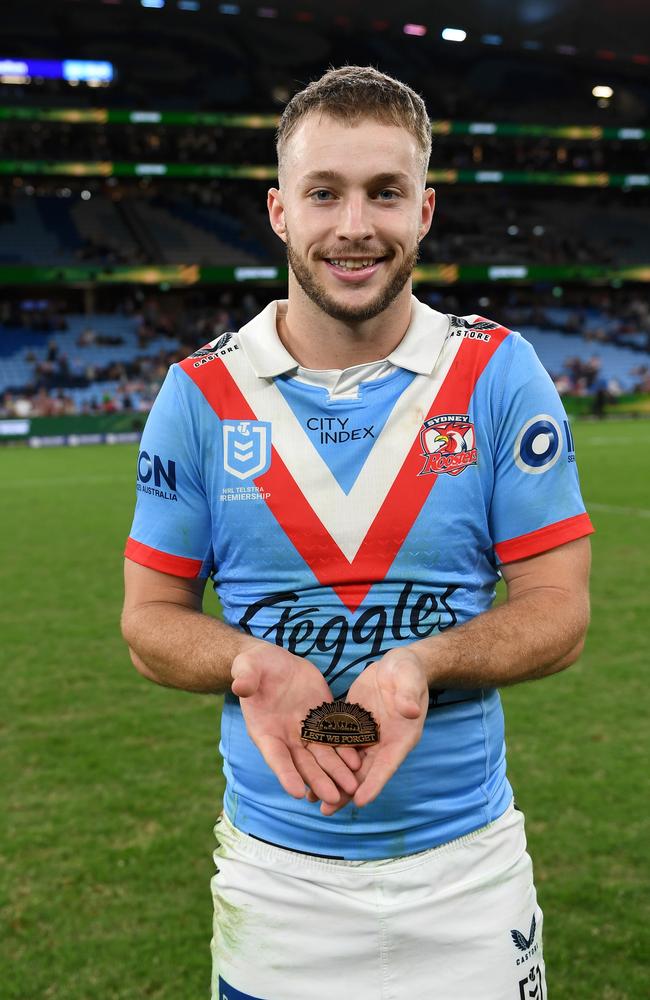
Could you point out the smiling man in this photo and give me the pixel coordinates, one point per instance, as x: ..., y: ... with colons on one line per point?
x: 353, y: 470
x: 358, y: 207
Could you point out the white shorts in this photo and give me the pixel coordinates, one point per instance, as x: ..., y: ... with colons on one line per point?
x: 458, y: 922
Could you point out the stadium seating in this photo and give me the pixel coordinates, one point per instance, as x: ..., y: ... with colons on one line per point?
x: 553, y: 349
x: 67, y: 230
x: 17, y: 373
x: 553, y: 346
x: 28, y: 238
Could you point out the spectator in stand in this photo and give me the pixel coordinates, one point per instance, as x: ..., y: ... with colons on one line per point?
x: 6, y: 405
x: 591, y: 370
x: 17, y: 405
x: 563, y: 384
x: 87, y: 337
x: 108, y: 403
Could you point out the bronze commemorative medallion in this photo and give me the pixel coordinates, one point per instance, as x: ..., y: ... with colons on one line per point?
x: 340, y: 723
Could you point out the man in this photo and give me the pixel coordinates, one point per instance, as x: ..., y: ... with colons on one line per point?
x: 352, y: 469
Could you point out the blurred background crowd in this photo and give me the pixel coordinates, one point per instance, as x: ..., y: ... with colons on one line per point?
x: 133, y: 226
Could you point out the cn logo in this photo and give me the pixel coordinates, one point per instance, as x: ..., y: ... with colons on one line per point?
x: 246, y: 447
x: 157, y: 468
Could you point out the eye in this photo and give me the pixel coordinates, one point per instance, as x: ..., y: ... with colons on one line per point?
x: 387, y: 194
x: 321, y: 195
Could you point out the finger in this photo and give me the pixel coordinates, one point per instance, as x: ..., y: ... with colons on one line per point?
x: 246, y: 679
x: 409, y: 688
x: 376, y: 771
x: 277, y: 756
x: 356, y: 758
x: 333, y: 765
x: 311, y: 797
x: 407, y: 705
x: 327, y: 809
x: 351, y: 756
x: 313, y: 775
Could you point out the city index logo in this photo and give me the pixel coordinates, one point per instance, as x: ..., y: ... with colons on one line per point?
x: 156, y: 469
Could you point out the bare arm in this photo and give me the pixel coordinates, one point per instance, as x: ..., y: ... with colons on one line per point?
x: 538, y: 631
x: 170, y: 639
x: 174, y: 644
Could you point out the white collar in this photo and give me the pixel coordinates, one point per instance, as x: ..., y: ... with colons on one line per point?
x: 417, y: 351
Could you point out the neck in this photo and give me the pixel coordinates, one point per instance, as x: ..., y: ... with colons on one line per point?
x: 320, y: 342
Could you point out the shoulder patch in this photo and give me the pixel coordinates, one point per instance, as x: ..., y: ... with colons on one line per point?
x: 213, y: 346
x: 218, y: 348
x: 473, y: 328
x: 476, y: 324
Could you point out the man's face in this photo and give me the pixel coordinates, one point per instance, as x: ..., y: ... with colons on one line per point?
x: 351, y: 210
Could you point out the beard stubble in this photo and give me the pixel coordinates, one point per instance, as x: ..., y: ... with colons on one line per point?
x: 346, y: 313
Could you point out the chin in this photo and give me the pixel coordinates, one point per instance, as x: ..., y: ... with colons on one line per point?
x: 355, y: 304
x: 349, y: 310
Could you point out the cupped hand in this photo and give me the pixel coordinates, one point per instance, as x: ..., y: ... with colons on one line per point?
x: 395, y: 691
x: 276, y: 691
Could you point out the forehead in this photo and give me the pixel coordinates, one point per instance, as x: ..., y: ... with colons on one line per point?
x: 323, y: 143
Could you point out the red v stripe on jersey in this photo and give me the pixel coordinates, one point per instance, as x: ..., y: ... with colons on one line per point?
x: 351, y: 580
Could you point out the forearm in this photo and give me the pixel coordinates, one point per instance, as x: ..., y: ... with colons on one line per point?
x: 530, y: 636
x: 181, y: 647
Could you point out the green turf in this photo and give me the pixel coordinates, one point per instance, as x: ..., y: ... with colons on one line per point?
x: 112, y: 784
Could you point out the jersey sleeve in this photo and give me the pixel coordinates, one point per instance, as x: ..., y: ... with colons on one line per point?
x: 536, y: 503
x: 171, y: 529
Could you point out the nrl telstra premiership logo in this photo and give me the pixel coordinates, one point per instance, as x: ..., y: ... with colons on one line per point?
x: 246, y: 447
x: 448, y: 445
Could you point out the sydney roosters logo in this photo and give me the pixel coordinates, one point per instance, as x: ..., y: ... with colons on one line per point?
x: 448, y: 445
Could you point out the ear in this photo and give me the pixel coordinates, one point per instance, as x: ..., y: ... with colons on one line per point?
x: 276, y: 213
x: 428, y: 208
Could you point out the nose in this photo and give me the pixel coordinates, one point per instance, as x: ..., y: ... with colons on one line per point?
x: 354, y: 220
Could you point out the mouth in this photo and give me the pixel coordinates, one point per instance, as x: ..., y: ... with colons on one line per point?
x: 354, y: 268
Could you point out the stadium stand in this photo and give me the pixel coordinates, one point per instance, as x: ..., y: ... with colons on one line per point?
x: 117, y: 361
x: 27, y: 237
x: 175, y: 224
x: 185, y: 237
x: 113, y: 357
x: 64, y: 224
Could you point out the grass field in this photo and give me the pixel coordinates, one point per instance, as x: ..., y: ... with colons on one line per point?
x: 112, y: 784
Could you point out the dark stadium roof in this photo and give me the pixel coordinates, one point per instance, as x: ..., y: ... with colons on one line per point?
x: 618, y: 26
x: 521, y: 57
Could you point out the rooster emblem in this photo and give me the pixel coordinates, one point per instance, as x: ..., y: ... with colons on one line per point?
x: 448, y: 445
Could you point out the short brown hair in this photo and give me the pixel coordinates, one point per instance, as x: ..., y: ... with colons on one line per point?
x: 352, y: 93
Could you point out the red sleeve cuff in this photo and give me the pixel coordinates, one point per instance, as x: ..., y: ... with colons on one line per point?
x: 165, y: 562
x: 544, y: 538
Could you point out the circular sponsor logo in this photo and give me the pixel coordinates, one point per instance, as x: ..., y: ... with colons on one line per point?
x: 144, y: 467
x: 538, y: 445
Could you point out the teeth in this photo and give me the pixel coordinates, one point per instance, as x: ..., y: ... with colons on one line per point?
x: 353, y: 265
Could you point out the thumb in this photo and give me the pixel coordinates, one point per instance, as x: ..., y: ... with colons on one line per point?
x: 246, y: 677
x: 410, y: 686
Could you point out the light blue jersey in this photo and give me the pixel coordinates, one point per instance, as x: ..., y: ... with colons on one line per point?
x: 341, y: 524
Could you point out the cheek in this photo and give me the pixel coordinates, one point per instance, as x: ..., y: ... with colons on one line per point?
x: 402, y: 230
x: 413, y: 237
x: 304, y: 233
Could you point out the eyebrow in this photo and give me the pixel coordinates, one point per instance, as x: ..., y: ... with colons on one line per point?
x: 378, y: 180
